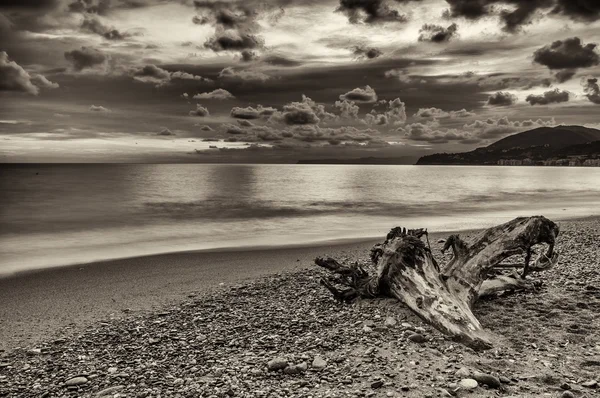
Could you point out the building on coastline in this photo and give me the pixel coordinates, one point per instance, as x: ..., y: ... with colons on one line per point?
x: 510, y: 162
x: 592, y: 162
x: 562, y: 162
x: 571, y: 162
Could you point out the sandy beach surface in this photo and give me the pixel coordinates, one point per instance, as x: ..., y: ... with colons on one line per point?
x: 211, y: 325
x: 40, y: 304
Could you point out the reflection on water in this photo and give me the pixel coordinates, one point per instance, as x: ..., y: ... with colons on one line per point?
x: 59, y: 214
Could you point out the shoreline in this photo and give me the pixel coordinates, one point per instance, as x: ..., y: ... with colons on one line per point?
x: 41, y: 303
x: 255, y: 248
x: 224, y: 249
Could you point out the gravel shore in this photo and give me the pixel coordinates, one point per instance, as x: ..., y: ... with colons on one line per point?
x: 284, y: 336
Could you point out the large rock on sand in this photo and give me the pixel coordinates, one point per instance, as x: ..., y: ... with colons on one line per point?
x: 277, y: 364
x: 76, y: 381
x: 319, y: 363
x: 468, y: 384
x: 488, y: 380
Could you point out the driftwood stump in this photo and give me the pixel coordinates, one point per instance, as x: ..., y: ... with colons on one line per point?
x: 444, y: 295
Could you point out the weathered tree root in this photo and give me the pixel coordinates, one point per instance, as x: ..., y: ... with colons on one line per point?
x: 444, y: 296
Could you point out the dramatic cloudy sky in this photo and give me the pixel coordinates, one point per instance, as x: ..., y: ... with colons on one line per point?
x: 282, y: 80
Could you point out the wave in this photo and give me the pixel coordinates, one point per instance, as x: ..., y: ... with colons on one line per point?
x: 267, y: 209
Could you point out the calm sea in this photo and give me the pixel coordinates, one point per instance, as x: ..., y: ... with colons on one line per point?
x: 53, y: 215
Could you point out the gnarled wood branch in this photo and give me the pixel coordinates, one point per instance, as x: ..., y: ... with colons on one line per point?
x: 444, y: 296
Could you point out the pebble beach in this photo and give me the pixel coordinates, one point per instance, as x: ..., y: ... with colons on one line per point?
x: 281, y: 334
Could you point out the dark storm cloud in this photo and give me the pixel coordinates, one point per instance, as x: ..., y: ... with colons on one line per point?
x: 522, y: 14
x: 94, y: 25
x: 362, y: 95
x: 549, y: 97
x: 222, y: 14
x: 564, y: 75
x: 233, y: 41
x: 470, y: 9
x: 437, y: 33
x: 200, y: 111
x: 90, y: 6
x: 591, y: 89
x: 250, y: 113
x: 235, y: 24
x: 567, y: 54
x: 165, y: 132
x: 38, y: 16
x: 248, y: 56
x: 370, y: 11
x: 584, y: 10
x: 85, y: 58
x: 502, y: 98
x: 103, y: 7
x: 523, y: 11
x: 29, y: 4
x: 367, y: 52
x: 29, y: 15
x: 477, y: 48
x: 14, y: 78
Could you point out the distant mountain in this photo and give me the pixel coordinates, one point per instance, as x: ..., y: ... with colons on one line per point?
x: 557, y: 137
x: 368, y: 160
x: 538, y: 146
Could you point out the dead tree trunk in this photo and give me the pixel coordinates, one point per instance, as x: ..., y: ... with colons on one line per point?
x: 444, y: 296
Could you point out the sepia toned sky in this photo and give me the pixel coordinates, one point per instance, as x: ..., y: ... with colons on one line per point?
x: 282, y: 80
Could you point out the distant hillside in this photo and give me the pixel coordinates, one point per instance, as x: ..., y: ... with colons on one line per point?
x: 557, y: 137
x: 590, y: 148
x: 536, y: 146
x: 369, y: 160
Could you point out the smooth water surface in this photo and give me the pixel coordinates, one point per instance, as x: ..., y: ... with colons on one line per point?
x: 53, y: 215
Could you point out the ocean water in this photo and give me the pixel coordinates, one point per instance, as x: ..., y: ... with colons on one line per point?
x: 53, y: 215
